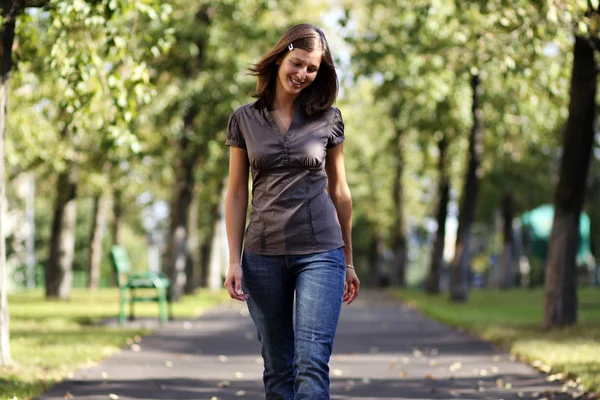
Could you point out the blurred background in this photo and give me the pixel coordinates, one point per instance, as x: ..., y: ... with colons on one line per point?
x: 457, y: 116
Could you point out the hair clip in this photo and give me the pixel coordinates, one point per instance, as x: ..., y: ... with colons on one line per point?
x: 290, y: 47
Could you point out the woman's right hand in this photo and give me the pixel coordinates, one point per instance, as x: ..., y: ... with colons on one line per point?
x: 233, y: 283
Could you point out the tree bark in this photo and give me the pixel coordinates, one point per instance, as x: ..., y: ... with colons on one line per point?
x: 96, y: 236
x: 193, y: 244
x: 118, y: 215
x: 459, y: 270
x: 207, y: 240
x: 432, y: 285
x: 7, y: 36
x: 506, y: 273
x: 398, y: 267
x: 561, y: 292
x: 185, y: 162
x: 59, y: 274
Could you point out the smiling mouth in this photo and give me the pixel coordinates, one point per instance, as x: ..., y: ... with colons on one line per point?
x: 296, y: 83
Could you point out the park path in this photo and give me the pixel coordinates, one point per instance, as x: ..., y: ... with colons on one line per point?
x: 383, y: 350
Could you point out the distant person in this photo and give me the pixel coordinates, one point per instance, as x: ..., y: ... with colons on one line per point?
x: 299, y: 236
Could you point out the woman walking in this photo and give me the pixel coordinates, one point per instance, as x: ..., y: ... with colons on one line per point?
x: 298, y: 242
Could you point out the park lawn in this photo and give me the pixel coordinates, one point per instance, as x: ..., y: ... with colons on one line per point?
x: 512, y: 320
x: 50, y: 340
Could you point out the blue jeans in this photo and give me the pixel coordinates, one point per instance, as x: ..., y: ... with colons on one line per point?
x: 296, y: 361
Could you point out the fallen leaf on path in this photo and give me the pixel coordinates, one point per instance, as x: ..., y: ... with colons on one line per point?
x: 366, y: 380
x: 240, y: 393
x: 137, y: 338
x: 239, y: 375
x: 433, y: 363
x: 555, y: 377
x: 455, y: 366
x: 136, y: 347
x: 404, y: 374
x: 169, y: 364
x: 405, y: 360
x: 104, y: 375
x: 417, y: 353
x: 495, y: 370
x: 223, y: 384
x: 68, y: 395
x: 113, y: 396
x: 222, y: 358
x: 338, y: 372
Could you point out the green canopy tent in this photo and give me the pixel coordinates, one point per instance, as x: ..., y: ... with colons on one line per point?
x: 537, y: 226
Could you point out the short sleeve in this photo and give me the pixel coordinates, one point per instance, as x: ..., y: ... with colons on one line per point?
x: 336, y: 136
x: 234, y: 135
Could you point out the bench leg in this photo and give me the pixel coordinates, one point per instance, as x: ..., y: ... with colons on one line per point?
x: 131, y: 302
x: 170, y: 304
x: 122, y: 301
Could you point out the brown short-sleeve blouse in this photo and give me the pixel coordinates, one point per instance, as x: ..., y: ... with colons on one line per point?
x: 291, y: 210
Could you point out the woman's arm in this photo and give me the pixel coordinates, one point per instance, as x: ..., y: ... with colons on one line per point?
x: 236, y: 206
x: 342, y: 199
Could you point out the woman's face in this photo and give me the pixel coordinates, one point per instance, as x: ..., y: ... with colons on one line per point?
x: 297, y: 70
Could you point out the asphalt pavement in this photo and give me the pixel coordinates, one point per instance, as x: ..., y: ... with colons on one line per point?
x: 383, y: 350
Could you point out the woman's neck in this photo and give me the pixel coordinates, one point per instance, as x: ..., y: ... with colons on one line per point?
x: 284, y: 103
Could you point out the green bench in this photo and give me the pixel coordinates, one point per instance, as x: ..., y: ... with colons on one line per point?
x: 129, y: 281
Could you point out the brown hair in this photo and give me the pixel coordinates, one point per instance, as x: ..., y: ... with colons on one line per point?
x: 319, y: 96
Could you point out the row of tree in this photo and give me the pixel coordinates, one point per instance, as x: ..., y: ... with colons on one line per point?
x: 492, y: 77
x: 125, y: 102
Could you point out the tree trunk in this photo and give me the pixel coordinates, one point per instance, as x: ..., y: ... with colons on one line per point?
x: 7, y: 35
x: 398, y: 267
x: 432, y: 285
x: 59, y: 274
x: 506, y: 273
x: 459, y: 269
x: 193, y: 244
x: 207, y: 240
x: 96, y: 236
x: 118, y: 216
x: 178, y: 252
x: 561, y: 291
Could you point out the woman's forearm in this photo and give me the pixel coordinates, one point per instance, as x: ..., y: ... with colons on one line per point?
x: 342, y: 199
x: 236, y: 206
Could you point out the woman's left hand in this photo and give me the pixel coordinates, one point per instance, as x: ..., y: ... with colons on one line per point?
x: 352, y: 285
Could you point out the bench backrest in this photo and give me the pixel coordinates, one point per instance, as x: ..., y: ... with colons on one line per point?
x: 120, y: 262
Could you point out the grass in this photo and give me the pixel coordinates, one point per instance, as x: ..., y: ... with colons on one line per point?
x: 50, y: 340
x: 512, y: 320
